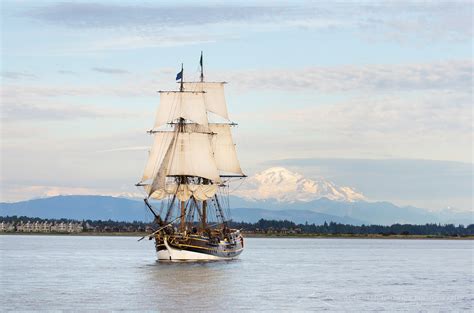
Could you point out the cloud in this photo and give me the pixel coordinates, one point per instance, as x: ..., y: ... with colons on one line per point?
x: 17, y: 75
x: 434, y: 112
x: 28, y: 112
x: 125, y: 149
x: 14, y: 112
x: 427, y: 124
x: 392, y: 21
x: 35, y: 91
x: 138, y: 41
x: 25, y: 192
x: 113, y: 71
x: 455, y: 74
x: 66, y: 72
x: 95, y: 15
x: 425, y: 21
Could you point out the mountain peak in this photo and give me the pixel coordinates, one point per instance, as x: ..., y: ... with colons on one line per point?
x: 283, y: 185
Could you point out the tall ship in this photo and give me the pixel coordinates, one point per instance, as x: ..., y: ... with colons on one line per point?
x: 190, y: 165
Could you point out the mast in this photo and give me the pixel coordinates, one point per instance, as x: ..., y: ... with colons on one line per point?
x: 202, y: 69
x: 180, y: 128
x: 181, y: 88
x: 205, y: 181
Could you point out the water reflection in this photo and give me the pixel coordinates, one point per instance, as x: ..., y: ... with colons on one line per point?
x: 190, y: 285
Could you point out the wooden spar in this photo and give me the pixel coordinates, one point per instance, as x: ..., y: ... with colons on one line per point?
x: 158, y: 219
x: 156, y: 231
x: 182, y: 179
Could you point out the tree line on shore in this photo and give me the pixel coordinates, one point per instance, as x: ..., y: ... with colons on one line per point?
x: 273, y: 226
x: 434, y: 229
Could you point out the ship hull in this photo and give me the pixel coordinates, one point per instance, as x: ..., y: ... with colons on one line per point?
x: 197, y: 249
x: 163, y: 254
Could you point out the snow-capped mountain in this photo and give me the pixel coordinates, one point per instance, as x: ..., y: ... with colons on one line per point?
x: 285, y: 186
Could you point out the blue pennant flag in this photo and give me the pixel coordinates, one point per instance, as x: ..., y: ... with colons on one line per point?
x: 179, y: 75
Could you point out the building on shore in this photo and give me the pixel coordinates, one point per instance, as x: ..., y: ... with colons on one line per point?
x: 7, y: 227
x: 41, y: 227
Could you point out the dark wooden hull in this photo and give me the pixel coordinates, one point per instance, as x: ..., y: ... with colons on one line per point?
x: 197, y: 247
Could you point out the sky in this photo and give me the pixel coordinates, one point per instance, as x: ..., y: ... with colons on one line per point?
x: 374, y: 95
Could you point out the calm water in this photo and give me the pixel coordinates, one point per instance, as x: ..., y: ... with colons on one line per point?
x: 119, y: 273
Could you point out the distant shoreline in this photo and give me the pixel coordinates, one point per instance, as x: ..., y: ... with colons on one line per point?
x: 257, y: 235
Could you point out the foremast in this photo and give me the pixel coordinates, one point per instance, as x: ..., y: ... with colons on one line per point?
x: 190, y: 162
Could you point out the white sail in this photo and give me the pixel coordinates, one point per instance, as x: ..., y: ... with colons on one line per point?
x: 198, y: 148
x: 160, y: 176
x: 161, y: 144
x: 187, y: 105
x: 223, y: 146
x: 185, y: 191
x: 214, y: 97
x: 179, y: 154
x: 192, y: 156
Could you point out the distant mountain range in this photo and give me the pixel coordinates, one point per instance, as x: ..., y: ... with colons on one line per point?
x: 121, y: 209
x: 384, y: 213
x: 275, y: 193
x: 317, y: 211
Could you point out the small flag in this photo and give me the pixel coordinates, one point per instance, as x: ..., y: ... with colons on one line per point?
x: 200, y: 61
x: 179, y: 75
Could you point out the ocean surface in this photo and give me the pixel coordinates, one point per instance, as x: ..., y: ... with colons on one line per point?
x: 85, y: 273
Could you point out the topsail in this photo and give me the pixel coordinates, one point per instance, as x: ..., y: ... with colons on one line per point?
x: 175, y: 105
x: 214, y: 97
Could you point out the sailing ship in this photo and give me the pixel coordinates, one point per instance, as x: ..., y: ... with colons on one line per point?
x: 189, y: 168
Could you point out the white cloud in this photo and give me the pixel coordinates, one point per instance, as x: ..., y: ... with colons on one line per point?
x: 25, y: 192
x: 125, y: 149
x: 426, y: 125
x: 455, y: 74
x: 108, y: 15
x: 67, y: 72
x: 125, y: 26
x: 428, y: 112
x: 447, y: 75
x: 13, y: 112
x: 140, y: 41
x: 112, y: 71
x: 17, y: 75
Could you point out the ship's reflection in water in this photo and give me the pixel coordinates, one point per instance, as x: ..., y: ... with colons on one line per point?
x: 116, y: 273
x: 192, y: 285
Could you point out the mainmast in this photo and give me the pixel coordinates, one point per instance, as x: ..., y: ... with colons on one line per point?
x: 205, y: 181
x: 182, y: 179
